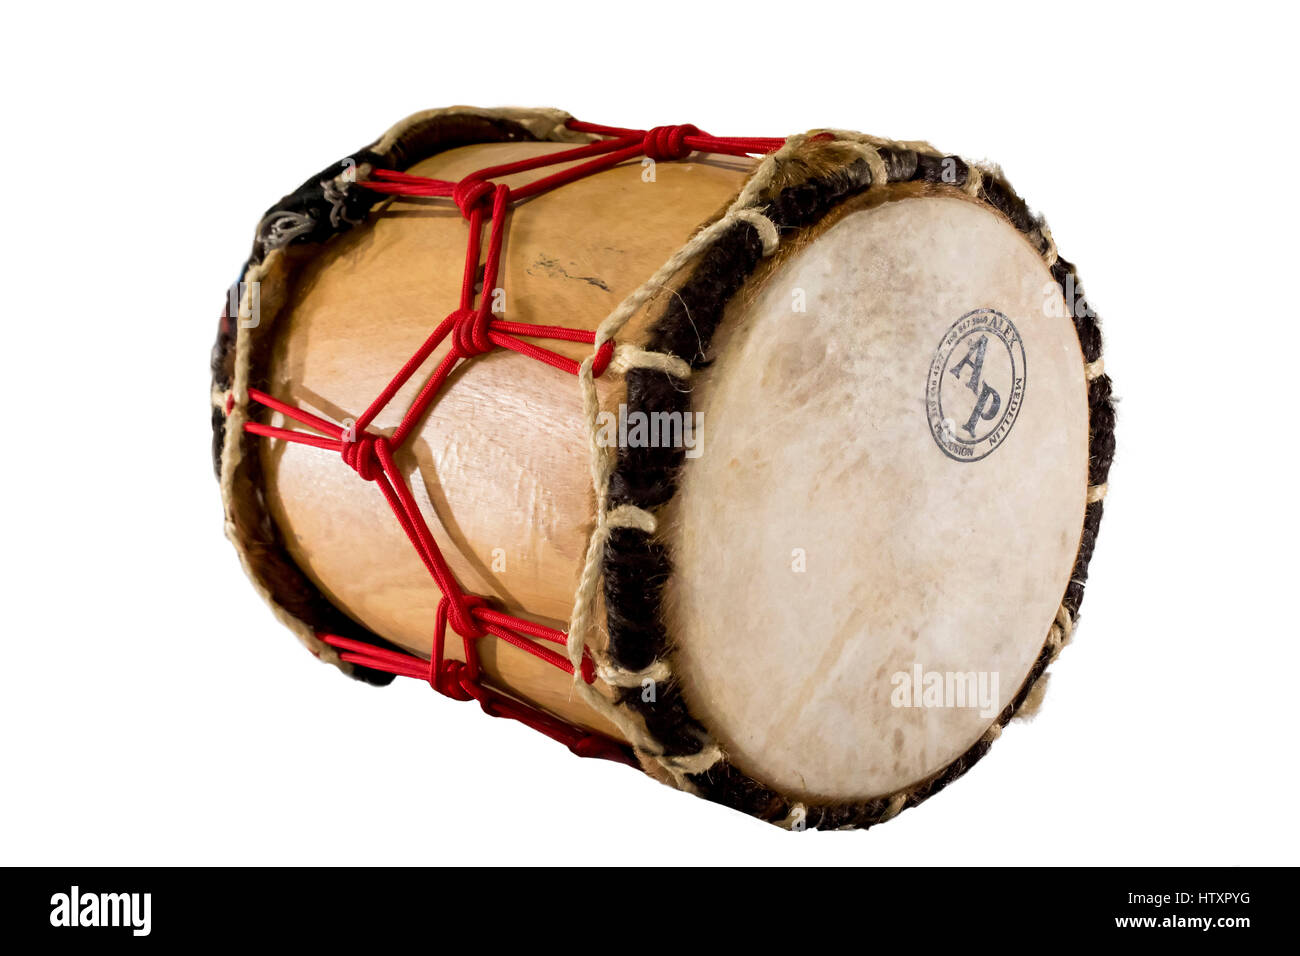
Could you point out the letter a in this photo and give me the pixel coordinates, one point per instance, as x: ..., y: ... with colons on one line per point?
x: 975, y: 359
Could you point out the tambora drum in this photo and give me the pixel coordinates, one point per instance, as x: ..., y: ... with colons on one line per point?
x: 771, y: 466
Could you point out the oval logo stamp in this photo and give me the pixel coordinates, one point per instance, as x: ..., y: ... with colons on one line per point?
x: 976, y: 385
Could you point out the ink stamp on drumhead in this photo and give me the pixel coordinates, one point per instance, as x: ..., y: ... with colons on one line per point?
x: 976, y: 385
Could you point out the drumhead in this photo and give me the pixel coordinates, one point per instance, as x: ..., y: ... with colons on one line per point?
x: 887, y: 498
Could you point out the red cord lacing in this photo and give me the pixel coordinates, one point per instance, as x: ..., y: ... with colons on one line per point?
x: 474, y: 331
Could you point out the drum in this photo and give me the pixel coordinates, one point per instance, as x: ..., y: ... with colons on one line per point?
x: 771, y: 466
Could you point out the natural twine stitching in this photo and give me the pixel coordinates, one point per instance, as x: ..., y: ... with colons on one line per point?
x: 683, y: 766
x: 1059, y: 634
x: 630, y: 516
x: 616, y: 676
x: 767, y: 233
x: 232, y: 452
x: 631, y: 356
x: 603, y: 461
x: 879, y: 171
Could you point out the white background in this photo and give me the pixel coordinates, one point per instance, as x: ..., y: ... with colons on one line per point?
x: 154, y: 712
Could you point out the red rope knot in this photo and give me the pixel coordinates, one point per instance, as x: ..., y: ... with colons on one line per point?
x: 470, y: 333
x: 468, y: 193
x: 460, y: 615
x: 449, y: 680
x: 669, y: 142
x: 361, y: 455
x: 604, y: 355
